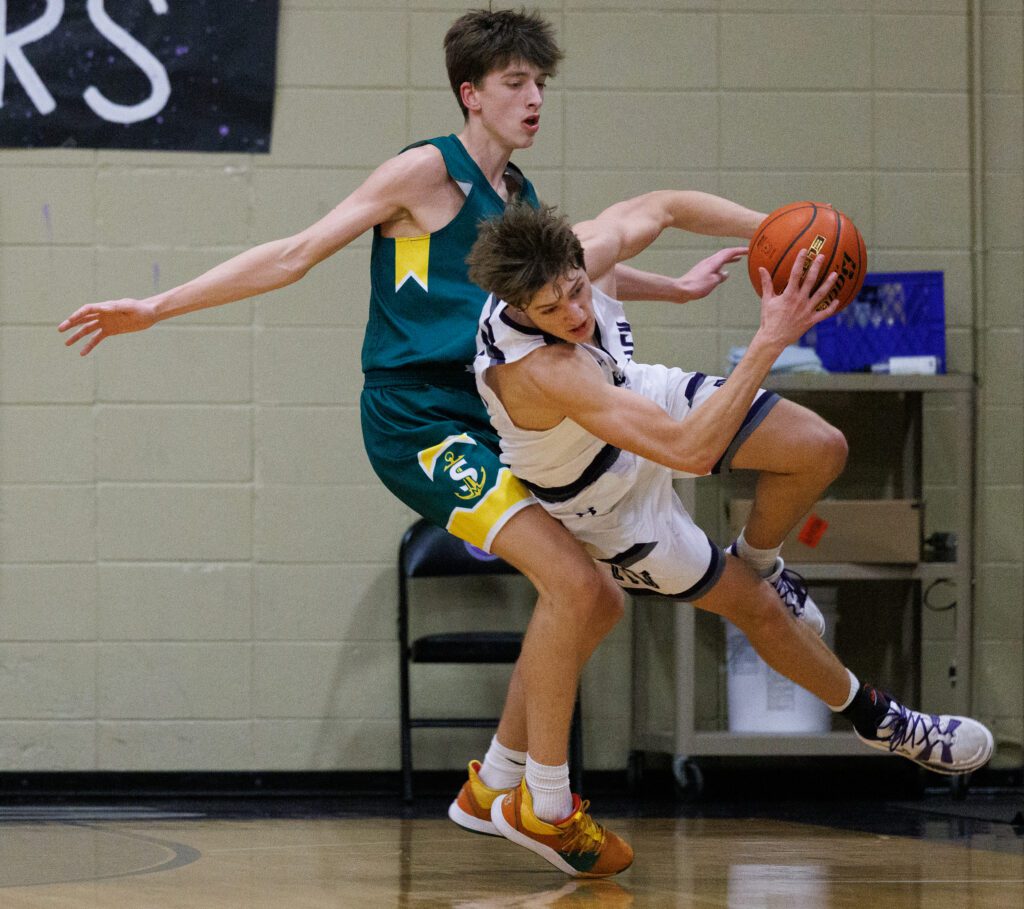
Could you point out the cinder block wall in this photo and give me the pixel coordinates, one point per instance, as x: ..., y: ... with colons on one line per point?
x: 196, y: 562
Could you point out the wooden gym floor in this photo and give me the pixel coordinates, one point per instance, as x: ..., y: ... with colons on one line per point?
x: 365, y: 852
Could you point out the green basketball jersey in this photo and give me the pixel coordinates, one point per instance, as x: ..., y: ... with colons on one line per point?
x: 423, y: 308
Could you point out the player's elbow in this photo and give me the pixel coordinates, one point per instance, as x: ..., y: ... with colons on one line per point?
x: 697, y: 462
x: 700, y: 467
x: 294, y: 259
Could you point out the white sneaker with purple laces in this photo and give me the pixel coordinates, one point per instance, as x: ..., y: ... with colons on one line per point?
x: 944, y: 744
x: 792, y: 590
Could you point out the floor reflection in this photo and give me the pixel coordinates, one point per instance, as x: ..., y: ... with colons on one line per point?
x: 801, y: 857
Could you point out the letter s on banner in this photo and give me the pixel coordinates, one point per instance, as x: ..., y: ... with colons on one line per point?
x: 141, y: 57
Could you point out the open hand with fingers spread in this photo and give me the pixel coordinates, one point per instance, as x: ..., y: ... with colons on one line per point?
x: 786, y: 316
x: 97, y: 321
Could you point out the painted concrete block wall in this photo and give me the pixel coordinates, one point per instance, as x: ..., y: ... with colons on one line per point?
x: 196, y: 560
x: 1000, y: 337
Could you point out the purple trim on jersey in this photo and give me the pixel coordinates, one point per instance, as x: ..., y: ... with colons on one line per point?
x: 710, y: 578
x: 631, y: 556
x: 693, y: 386
x: 700, y: 589
x: 602, y: 461
x: 758, y: 411
x: 494, y: 353
x: 518, y: 326
x: 530, y: 330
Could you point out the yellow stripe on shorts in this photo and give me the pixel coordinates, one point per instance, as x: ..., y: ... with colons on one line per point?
x: 474, y: 524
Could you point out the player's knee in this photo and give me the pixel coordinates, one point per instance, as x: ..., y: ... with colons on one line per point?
x: 824, y: 450
x: 834, y: 451
x: 601, y: 603
x: 590, y: 599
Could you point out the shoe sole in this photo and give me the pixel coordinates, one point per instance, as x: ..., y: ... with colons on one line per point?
x: 470, y: 822
x: 506, y: 830
x: 976, y: 763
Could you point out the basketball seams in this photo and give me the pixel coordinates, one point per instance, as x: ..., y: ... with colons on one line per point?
x: 796, y: 240
x: 766, y: 226
x: 836, y: 244
x: 786, y: 210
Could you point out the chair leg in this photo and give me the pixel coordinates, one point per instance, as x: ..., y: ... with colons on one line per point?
x: 407, y: 794
x: 405, y: 736
x: 576, y: 747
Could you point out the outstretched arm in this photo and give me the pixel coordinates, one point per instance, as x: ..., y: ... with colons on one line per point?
x: 628, y: 283
x: 259, y: 270
x: 627, y: 228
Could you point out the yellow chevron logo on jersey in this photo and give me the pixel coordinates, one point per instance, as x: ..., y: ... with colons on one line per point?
x: 412, y: 260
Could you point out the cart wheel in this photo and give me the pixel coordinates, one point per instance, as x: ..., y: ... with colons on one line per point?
x: 689, y: 779
x: 635, y: 771
x: 958, y: 786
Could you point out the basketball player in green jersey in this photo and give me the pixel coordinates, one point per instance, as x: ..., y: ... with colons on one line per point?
x: 426, y: 431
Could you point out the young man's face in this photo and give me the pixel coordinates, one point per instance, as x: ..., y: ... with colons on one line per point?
x: 508, y: 102
x: 563, y: 308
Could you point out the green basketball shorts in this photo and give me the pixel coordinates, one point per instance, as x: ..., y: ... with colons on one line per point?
x: 433, y: 446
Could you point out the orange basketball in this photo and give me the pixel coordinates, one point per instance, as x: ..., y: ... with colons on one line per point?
x: 818, y: 228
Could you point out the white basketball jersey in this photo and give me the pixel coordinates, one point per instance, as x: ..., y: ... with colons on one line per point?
x: 621, y: 506
x: 555, y: 464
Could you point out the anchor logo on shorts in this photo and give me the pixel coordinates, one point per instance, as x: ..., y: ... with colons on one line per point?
x: 471, y: 480
x: 468, y: 475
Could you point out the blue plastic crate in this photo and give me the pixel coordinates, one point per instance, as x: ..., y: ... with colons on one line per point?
x: 896, y: 314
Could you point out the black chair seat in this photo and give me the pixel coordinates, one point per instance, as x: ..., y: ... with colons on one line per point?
x: 467, y: 647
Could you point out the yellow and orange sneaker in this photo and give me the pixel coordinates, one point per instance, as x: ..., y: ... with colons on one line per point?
x: 472, y: 806
x: 579, y: 846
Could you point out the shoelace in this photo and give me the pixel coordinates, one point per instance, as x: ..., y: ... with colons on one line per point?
x: 793, y: 590
x: 586, y: 835
x: 915, y: 729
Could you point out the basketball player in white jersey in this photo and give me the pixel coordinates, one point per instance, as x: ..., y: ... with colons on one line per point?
x: 598, y: 439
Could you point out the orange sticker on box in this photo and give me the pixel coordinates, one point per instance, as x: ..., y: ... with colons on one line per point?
x: 812, y: 531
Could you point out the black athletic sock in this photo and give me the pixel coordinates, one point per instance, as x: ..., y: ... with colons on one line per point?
x: 867, y: 709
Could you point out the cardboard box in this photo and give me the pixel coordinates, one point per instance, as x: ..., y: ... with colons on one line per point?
x: 870, y: 530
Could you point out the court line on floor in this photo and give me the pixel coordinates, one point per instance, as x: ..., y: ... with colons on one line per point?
x: 182, y: 855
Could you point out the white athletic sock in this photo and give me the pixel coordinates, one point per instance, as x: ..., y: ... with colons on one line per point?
x: 854, y: 688
x: 549, y: 788
x: 761, y: 560
x: 502, y: 767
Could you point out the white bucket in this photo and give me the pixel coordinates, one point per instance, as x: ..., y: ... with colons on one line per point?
x: 761, y: 700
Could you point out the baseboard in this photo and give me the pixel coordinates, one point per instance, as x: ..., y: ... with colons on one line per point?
x: 119, y: 785
x: 176, y: 784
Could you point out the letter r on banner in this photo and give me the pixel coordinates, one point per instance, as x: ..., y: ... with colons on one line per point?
x: 11, y: 52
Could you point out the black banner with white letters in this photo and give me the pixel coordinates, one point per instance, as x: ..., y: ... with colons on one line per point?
x: 195, y: 75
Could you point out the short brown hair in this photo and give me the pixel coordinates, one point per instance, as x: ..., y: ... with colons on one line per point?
x: 483, y: 40
x: 522, y: 251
